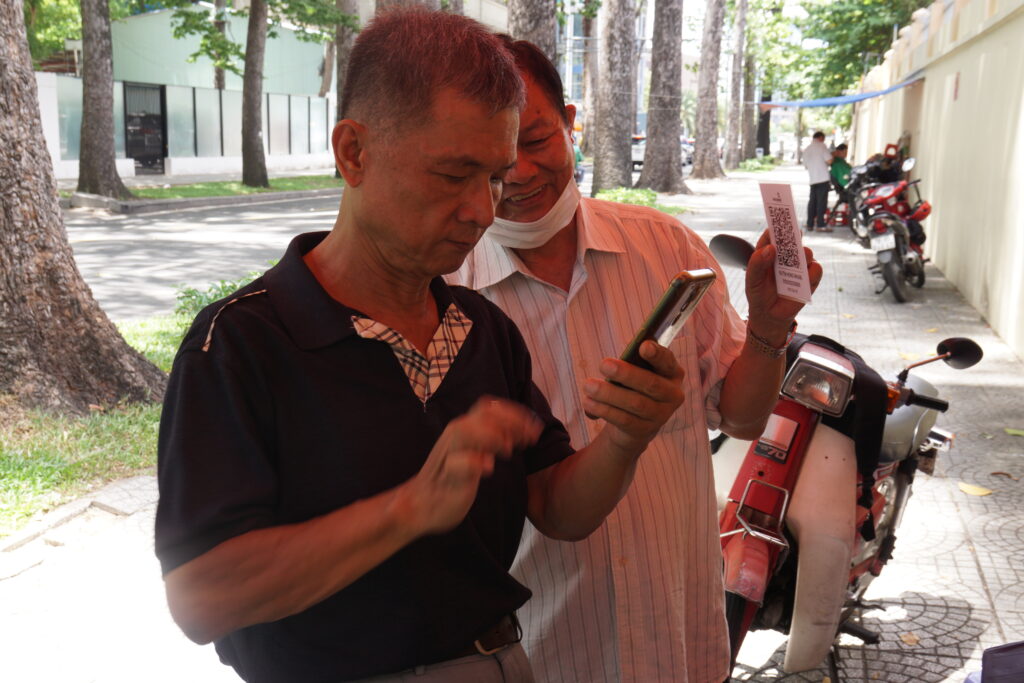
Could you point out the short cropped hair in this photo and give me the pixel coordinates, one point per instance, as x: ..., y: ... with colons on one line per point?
x: 534, y: 63
x: 818, y: 135
x: 403, y: 57
x: 841, y: 147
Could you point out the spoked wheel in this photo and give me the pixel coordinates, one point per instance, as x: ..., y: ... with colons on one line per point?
x: 892, y: 272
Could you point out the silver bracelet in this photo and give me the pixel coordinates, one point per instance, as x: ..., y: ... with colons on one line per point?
x: 763, y: 346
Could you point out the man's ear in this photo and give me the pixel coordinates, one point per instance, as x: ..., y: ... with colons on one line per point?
x: 348, y: 140
x: 570, y: 115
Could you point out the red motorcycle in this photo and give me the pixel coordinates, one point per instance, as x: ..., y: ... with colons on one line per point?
x: 809, y: 511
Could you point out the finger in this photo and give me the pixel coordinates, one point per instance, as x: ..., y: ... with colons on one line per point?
x: 761, y: 267
x: 763, y: 240
x: 499, y: 426
x: 814, y: 269
x: 662, y: 360
x: 634, y: 385
x: 625, y: 420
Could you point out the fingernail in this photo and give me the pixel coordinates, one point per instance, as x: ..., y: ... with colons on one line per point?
x: 590, y: 386
x: 607, y: 367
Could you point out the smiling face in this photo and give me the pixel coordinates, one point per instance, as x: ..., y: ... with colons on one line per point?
x: 544, y: 164
x: 430, y: 191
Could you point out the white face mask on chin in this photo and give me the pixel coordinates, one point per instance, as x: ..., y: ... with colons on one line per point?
x: 516, y: 235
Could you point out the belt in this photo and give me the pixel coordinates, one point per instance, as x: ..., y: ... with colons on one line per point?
x: 506, y: 632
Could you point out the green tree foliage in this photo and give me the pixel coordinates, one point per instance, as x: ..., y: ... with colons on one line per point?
x: 851, y: 32
x: 48, y: 23
x: 316, y: 16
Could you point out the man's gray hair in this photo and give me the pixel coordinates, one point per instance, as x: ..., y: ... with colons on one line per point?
x: 403, y: 57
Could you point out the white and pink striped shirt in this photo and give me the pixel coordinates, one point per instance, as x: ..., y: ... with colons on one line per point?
x: 641, y: 599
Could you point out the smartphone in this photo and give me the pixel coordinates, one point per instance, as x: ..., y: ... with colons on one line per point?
x: 671, y: 312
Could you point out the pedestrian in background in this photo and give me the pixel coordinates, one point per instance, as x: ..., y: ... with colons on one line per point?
x: 817, y: 160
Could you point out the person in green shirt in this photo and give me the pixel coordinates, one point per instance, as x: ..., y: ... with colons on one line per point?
x: 840, y: 169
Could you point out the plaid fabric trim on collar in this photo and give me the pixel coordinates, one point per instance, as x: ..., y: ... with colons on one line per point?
x: 425, y: 373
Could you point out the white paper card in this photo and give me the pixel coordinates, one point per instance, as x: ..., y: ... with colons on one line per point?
x: 784, y: 231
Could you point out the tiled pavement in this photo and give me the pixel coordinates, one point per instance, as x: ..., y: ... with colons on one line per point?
x: 82, y: 601
x: 954, y: 586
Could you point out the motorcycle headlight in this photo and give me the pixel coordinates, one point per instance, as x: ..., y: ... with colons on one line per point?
x: 820, y: 379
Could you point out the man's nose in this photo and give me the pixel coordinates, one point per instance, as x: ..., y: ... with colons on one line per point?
x: 479, y: 202
x: 522, y: 171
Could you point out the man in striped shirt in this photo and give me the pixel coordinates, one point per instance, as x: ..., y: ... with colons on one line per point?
x: 641, y: 599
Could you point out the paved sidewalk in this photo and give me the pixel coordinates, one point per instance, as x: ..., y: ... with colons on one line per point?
x: 82, y: 600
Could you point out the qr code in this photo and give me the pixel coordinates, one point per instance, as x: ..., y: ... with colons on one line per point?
x: 780, y: 220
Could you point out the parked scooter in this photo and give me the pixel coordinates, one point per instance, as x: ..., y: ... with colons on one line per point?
x: 809, y: 511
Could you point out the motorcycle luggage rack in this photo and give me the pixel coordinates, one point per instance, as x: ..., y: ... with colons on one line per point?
x: 773, y: 536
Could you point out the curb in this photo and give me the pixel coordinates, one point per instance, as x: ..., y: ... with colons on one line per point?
x: 80, y: 200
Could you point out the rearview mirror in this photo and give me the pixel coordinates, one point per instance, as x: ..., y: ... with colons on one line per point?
x: 731, y: 250
x: 963, y: 352
x: 908, y: 164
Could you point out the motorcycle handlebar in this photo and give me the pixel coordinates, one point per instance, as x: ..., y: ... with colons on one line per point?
x: 927, y: 402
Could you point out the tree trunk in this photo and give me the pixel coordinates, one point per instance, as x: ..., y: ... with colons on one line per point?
x: 455, y: 7
x: 254, y: 162
x: 705, y: 148
x: 344, y: 39
x: 613, y: 133
x: 328, y: 69
x: 750, y: 110
x: 58, y: 350
x: 590, y: 76
x: 663, y: 164
x: 736, y: 101
x: 799, y: 135
x: 97, y: 171
x: 219, y: 22
x: 537, y: 22
x: 764, y: 124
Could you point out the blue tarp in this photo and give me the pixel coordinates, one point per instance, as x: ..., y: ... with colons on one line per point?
x: 844, y: 99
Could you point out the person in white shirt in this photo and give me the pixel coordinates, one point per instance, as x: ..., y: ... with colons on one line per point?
x: 817, y: 158
x: 641, y: 599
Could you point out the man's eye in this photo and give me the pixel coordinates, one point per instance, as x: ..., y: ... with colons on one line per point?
x: 536, y: 142
x: 453, y: 179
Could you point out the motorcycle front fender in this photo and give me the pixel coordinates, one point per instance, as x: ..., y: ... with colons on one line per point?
x: 821, y: 519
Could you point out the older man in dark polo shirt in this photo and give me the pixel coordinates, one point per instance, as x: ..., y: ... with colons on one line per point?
x: 349, y: 447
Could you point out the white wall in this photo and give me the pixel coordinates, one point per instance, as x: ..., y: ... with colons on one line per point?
x: 967, y: 122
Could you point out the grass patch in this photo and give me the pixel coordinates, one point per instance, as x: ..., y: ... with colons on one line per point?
x: 47, y: 460
x: 228, y: 188
x: 765, y: 163
x: 640, y: 197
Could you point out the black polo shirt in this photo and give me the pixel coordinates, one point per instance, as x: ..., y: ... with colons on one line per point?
x: 287, y: 415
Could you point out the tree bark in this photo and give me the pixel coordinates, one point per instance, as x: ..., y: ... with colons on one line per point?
x: 799, y: 135
x: 736, y: 101
x: 254, y: 162
x: 663, y: 164
x: 749, y: 111
x: 537, y: 22
x: 58, y: 350
x: 344, y: 40
x: 764, y: 123
x: 705, y: 148
x: 97, y: 170
x: 613, y: 133
x: 328, y: 68
x: 218, y: 22
x: 590, y: 76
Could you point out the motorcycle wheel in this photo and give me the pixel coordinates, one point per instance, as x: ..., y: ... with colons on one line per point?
x: 918, y: 277
x: 892, y: 272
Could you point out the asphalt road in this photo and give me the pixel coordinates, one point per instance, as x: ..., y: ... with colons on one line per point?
x: 135, y: 264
